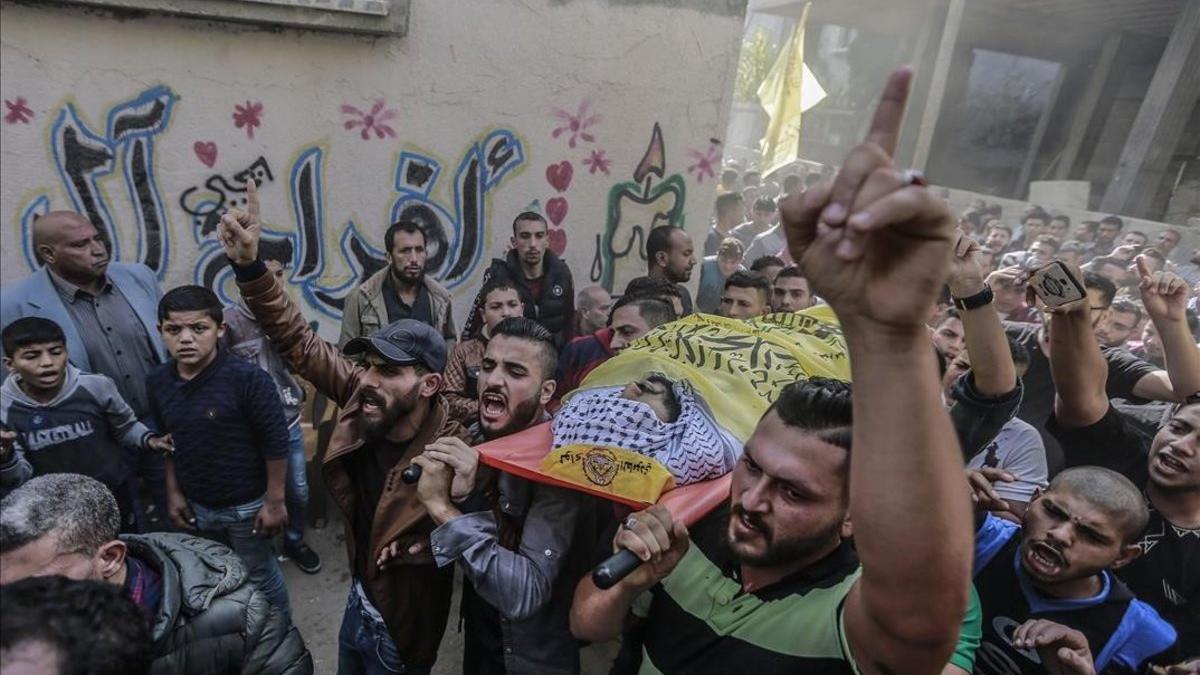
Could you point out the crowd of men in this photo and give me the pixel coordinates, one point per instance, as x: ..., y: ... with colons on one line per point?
x: 1009, y: 485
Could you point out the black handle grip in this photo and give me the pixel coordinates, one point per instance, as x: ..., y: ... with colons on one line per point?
x: 618, y: 566
x: 412, y: 474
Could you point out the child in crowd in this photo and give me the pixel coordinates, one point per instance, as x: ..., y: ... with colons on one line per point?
x: 57, y: 419
x: 226, y: 477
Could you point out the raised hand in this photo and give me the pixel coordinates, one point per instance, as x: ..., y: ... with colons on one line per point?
x: 1164, y: 294
x: 966, y: 276
x: 239, y: 231
x: 875, y: 246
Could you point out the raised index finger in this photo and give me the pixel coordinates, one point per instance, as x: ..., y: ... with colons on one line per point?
x: 885, y: 126
x: 1140, y: 261
x: 252, y: 198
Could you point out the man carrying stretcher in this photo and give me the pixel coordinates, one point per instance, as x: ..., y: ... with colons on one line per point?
x: 768, y: 583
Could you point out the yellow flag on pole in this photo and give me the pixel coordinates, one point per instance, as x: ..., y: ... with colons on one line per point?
x: 788, y: 90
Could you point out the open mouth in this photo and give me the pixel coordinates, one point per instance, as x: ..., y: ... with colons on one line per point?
x: 746, y: 524
x: 370, y: 403
x: 1044, y: 560
x: 491, y: 405
x: 1169, y: 464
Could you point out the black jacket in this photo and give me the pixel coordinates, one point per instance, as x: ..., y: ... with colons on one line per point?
x: 211, y: 619
x: 556, y: 308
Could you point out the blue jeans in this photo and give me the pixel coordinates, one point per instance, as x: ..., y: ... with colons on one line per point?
x: 297, y: 487
x: 364, y: 646
x: 234, y: 527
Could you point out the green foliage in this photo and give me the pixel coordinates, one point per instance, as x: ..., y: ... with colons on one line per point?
x: 756, y: 59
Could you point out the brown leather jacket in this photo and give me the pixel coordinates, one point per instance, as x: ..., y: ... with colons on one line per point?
x: 411, y: 593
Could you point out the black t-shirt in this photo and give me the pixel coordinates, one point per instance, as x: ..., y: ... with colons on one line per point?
x: 1037, y: 404
x: 397, y: 309
x: 368, y: 468
x: 1167, y: 573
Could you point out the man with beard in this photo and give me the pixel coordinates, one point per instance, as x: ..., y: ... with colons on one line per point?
x: 670, y: 255
x: 399, y: 291
x: 543, y: 279
x: 399, y: 599
x: 521, y: 546
x: 771, y: 583
x: 1166, y: 469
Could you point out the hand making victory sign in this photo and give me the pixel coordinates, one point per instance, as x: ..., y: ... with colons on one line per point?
x: 873, y: 231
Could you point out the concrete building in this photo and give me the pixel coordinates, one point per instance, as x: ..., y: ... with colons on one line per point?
x: 1014, y: 91
x: 456, y: 113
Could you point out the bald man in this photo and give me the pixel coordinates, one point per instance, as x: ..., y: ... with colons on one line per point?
x: 591, y: 310
x: 107, y: 310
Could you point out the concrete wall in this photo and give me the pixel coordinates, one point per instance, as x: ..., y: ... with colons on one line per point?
x: 151, y: 125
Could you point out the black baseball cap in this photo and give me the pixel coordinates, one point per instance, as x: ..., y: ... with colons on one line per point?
x: 403, y: 343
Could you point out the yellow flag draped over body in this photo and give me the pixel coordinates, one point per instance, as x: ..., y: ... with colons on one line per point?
x: 736, y: 369
x: 788, y: 90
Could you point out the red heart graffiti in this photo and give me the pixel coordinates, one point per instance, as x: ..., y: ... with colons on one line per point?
x: 556, y: 210
x: 558, y: 240
x: 559, y: 175
x: 206, y: 151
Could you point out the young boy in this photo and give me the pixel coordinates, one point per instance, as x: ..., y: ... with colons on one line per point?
x: 245, y: 338
x: 226, y: 477
x: 64, y: 420
x: 1056, y: 567
x: 499, y: 299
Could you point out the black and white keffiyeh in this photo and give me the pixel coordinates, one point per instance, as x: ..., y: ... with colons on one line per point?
x: 693, y: 448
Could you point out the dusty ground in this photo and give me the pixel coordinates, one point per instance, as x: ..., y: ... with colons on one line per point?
x: 319, y: 599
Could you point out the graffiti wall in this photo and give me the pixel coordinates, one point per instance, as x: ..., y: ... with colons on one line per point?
x: 602, y: 116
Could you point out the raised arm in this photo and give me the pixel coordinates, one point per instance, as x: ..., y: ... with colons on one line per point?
x: 281, y: 320
x: 991, y: 361
x: 877, y: 248
x: 1077, y: 365
x: 1165, y: 296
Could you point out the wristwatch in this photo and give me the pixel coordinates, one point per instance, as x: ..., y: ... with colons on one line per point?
x: 980, y: 299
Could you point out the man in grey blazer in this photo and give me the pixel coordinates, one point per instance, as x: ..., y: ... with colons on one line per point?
x: 107, y: 310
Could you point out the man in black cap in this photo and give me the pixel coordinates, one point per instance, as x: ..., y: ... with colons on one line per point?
x: 390, y: 412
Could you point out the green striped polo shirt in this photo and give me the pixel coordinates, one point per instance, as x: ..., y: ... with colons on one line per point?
x: 698, y: 620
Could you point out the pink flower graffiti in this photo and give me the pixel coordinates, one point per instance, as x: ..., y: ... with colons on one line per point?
x: 706, y: 162
x: 18, y: 111
x: 248, y: 116
x: 372, y: 121
x: 597, y: 161
x: 576, y: 125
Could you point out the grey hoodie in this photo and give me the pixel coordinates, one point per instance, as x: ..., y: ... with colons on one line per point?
x: 81, y: 430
